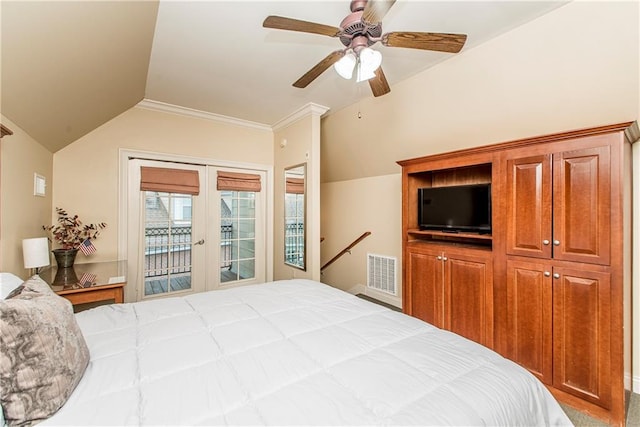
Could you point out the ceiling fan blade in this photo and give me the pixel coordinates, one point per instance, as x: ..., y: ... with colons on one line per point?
x: 318, y: 69
x: 379, y: 85
x: 282, y: 23
x: 440, y: 42
x: 375, y: 10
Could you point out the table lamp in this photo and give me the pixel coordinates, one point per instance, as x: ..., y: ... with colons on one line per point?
x: 35, y: 252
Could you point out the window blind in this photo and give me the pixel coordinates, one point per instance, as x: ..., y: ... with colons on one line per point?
x: 295, y: 186
x: 169, y: 180
x: 233, y: 181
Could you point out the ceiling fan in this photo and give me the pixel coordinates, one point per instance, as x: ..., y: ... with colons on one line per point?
x: 361, y: 29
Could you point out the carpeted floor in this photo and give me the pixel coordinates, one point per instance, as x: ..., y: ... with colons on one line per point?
x: 583, y: 420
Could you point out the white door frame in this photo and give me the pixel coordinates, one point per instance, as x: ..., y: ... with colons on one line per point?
x: 123, y: 200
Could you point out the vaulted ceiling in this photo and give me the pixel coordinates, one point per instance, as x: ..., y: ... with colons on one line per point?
x: 69, y: 66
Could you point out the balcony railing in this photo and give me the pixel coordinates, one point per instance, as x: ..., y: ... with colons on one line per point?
x: 162, y: 257
x: 294, y: 243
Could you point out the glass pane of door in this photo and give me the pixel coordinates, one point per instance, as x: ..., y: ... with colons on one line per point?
x: 167, y: 242
x: 237, y: 235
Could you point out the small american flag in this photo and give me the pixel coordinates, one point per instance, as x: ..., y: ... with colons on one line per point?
x: 87, y: 280
x: 87, y: 247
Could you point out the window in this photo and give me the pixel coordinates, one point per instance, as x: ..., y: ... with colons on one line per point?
x: 238, y: 235
x: 167, y: 243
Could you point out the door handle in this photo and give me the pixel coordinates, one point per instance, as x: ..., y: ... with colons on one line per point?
x: 199, y: 242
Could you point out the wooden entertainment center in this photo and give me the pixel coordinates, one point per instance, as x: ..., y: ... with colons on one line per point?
x: 550, y: 287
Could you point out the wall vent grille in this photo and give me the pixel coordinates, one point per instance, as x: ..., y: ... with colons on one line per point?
x: 381, y: 273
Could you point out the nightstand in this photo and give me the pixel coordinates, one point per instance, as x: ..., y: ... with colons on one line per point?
x: 97, y: 282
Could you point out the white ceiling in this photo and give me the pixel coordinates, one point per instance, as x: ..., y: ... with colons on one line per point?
x: 215, y: 56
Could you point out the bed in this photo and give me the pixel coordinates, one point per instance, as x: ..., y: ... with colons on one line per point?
x: 294, y: 352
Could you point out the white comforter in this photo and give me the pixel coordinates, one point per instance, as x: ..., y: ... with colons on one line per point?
x: 291, y: 353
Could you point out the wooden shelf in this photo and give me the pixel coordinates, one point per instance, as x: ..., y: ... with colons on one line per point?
x: 461, y: 235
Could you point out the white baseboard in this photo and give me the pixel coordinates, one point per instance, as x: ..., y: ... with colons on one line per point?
x: 357, y: 289
x: 380, y: 296
x: 634, y: 382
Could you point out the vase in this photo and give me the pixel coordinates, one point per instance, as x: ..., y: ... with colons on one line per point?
x: 65, y: 257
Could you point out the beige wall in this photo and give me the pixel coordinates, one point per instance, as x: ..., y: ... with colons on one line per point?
x: 368, y: 204
x: 295, y: 143
x: 552, y: 74
x: 22, y: 213
x: 575, y: 67
x: 86, y: 172
x: 635, y: 271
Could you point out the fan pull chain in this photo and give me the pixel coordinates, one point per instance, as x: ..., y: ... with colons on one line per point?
x: 359, y: 96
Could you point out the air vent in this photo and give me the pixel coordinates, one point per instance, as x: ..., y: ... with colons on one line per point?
x: 381, y: 273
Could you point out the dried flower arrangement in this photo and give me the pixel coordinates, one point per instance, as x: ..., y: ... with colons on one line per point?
x: 70, y: 232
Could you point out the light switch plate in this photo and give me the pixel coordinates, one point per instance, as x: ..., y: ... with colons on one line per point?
x: 39, y: 185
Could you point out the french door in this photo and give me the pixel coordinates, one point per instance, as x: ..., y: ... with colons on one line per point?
x: 239, y: 256
x: 184, y: 243
x: 166, y: 234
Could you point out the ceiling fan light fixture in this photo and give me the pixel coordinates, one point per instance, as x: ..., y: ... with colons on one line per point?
x: 369, y: 61
x: 345, y: 66
x: 358, y: 31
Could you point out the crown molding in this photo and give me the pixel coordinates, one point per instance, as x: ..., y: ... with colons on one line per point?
x: 309, y: 109
x: 5, y: 131
x: 184, y: 111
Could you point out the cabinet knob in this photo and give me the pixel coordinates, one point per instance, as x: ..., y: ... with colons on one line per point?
x: 556, y: 275
x: 556, y: 242
x: 439, y: 258
x: 444, y: 258
x: 547, y: 274
x: 545, y: 242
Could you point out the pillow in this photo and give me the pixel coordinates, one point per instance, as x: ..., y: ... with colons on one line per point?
x: 43, y: 354
x: 8, y: 282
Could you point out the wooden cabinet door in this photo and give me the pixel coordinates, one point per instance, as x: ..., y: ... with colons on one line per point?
x: 528, y: 194
x: 530, y: 317
x: 468, y: 295
x: 582, y: 205
x: 581, y: 335
x: 424, y: 278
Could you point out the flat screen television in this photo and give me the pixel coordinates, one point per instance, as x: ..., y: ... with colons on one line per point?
x: 459, y: 208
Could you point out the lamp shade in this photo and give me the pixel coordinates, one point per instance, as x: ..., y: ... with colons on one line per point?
x: 35, y: 252
x: 344, y: 67
x: 370, y: 60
